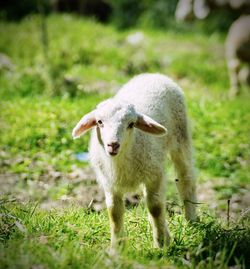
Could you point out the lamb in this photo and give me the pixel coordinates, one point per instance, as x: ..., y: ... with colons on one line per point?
x: 131, y: 135
x: 238, y: 52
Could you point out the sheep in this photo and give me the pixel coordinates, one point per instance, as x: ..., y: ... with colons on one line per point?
x: 237, y: 45
x: 200, y: 9
x: 238, y: 52
x: 131, y: 135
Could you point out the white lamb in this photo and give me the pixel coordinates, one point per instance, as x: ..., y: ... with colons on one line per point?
x: 132, y: 133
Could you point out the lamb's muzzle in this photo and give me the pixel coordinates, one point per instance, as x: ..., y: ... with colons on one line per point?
x: 113, y: 148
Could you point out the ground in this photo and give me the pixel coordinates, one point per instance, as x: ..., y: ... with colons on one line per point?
x: 52, y: 211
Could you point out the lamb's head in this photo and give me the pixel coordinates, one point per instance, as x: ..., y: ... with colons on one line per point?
x: 115, y: 122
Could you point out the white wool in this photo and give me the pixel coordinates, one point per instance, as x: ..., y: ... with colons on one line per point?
x: 158, y: 97
x: 141, y: 156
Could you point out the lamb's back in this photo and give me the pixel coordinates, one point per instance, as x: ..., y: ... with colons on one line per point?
x: 152, y: 94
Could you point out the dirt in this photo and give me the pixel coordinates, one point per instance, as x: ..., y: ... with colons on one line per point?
x: 57, y: 190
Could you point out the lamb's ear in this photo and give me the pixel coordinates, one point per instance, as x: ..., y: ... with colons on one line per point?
x: 148, y: 125
x: 88, y: 121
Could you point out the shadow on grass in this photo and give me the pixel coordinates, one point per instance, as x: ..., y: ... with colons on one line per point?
x: 221, y: 246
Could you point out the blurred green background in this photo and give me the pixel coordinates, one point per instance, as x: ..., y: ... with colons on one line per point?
x: 58, y: 59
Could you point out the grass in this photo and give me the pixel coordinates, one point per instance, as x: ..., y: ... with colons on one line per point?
x: 76, y: 237
x: 41, y: 100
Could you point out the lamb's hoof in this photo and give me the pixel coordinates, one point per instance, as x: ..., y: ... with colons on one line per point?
x: 192, y: 219
x: 161, y: 243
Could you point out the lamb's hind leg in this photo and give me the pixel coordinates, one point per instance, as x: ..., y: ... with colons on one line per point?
x: 182, y: 158
x: 233, y: 70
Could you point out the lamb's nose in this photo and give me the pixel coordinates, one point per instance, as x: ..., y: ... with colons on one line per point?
x: 114, y: 145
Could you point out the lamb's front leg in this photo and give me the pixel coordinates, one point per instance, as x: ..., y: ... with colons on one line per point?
x: 115, y: 208
x: 155, y: 199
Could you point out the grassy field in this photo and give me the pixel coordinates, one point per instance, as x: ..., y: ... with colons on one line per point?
x: 45, y: 190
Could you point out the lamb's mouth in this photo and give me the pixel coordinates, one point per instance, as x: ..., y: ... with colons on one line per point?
x: 113, y: 153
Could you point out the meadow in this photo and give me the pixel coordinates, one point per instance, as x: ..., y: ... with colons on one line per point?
x: 51, y: 211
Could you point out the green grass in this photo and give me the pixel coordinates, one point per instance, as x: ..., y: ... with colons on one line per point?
x: 76, y: 238
x: 43, y: 98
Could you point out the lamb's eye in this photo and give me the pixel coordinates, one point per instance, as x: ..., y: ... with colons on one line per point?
x: 131, y: 125
x: 100, y: 122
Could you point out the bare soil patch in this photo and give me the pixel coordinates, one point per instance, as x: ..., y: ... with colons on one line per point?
x: 57, y: 190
